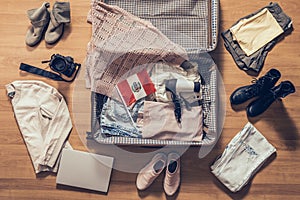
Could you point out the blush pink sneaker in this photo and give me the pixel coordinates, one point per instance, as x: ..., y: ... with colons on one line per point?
x: 172, y: 178
x: 151, y: 171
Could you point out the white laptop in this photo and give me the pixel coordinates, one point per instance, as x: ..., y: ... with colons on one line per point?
x: 84, y: 170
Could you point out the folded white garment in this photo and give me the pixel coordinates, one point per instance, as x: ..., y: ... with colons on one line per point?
x: 242, y: 158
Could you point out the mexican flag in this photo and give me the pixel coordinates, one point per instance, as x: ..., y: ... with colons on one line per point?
x: 136, y: 87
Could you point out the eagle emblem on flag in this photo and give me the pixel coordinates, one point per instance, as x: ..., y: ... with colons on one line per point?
x: 136, y: 87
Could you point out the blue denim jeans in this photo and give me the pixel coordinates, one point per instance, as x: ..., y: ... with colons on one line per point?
x: 115, y: 120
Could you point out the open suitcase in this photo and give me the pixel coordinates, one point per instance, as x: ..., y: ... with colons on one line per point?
x: 186, y: 19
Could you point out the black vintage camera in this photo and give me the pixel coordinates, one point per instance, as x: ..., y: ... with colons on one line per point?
x: 63, y: 64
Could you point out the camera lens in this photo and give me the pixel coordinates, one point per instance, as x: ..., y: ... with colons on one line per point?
x: 59, y: 64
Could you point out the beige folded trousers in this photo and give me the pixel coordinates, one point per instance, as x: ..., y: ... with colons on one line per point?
x: 44, y: 121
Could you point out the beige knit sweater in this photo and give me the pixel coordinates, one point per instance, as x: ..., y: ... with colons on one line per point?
x: 121, y: 44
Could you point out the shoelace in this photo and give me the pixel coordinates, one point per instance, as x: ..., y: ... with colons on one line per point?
x: 257, y: 85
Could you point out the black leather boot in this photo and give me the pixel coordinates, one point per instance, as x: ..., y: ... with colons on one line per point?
x: 261, y: 104
x: 262, y: 85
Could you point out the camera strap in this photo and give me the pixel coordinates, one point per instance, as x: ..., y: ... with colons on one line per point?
x: 45, y: 73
